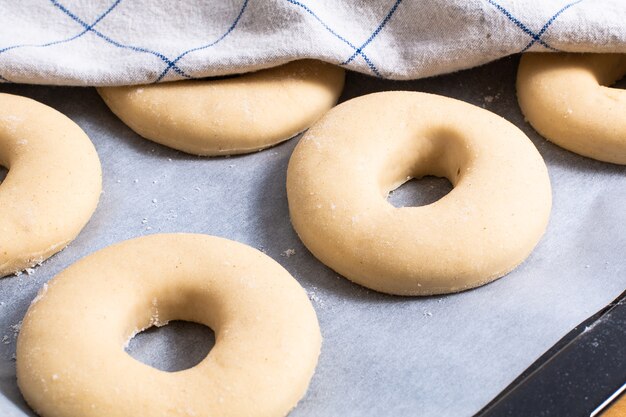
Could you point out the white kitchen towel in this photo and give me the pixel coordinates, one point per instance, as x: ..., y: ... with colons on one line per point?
x: 112, y: 42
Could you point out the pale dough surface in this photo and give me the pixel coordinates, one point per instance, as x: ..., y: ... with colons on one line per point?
x: 53, y: 184
x: 346, y: 164
x: 566, y: 98
x: 233, y: 115
x: 70, y: 351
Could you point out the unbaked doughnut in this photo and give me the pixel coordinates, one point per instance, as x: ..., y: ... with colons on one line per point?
x: 566, y: 99
x: 347, y: 163
x: 233, y: 115
x: 70, y: 351
x: 53, y: 184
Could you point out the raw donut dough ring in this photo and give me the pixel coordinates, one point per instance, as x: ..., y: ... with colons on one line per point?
x: 70, y: 351
x: 346, y: 164
x: 53, y: 184
x: 566, y: 99
x: 233, y: 115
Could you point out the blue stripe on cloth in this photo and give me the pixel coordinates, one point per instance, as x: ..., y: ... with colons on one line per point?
x: 42, y: 45
x: 218, y: 40
x: 520, y: 25
x: 116, y: 43
x: 549, y: 22
x: 375, y: 33
x: 61, y: 41
x: 338, y: 36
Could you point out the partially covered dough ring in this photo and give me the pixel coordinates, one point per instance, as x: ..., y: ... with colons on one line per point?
x: 53, y: 184
x: 566, y: 99
x: 346, y: 164
x: 70, y: 351
x: 233, y: 115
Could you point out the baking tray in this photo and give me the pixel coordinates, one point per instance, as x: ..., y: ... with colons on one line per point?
x: 382, y: 355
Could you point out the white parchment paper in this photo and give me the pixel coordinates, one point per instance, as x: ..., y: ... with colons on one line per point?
x: 382, y: 355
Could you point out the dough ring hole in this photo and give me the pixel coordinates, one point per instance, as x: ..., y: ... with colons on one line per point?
x: 3, y: 173
x: 417, y: 192
x: 426, y: 174
x: 173, y: 347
